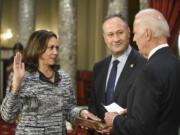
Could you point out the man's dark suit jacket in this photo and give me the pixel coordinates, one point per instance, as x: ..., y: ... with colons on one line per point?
x: 98, y: 93
x: 154, y: 100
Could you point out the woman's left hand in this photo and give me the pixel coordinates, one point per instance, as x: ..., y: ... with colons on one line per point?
x: 86, y: 114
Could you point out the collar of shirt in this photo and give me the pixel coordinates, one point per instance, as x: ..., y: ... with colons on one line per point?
x: 123, y: 57
x: 121, y: 64
x: 42, y: 77
x: 157, y: 48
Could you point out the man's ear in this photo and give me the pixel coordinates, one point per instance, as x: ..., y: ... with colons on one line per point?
x: 104, y: 36
x: 148, y: 34
x: 129, y: 32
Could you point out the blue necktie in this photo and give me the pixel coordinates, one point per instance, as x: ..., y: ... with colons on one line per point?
x: 111, y: 82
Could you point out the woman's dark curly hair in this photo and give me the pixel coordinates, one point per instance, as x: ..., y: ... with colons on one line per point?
x: 36, y: 46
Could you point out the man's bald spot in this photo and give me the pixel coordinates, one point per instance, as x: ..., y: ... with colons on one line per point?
x: 151, y: 13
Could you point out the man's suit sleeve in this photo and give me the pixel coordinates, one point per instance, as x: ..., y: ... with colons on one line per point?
x: 92, y: 102
x: 143, y: 119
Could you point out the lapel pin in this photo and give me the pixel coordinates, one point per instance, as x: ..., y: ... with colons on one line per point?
x: 132, y: 65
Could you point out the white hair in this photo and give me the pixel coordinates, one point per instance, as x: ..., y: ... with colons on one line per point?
x: 154, y: 20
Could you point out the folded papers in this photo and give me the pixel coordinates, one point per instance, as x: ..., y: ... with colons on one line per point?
x: 114, y: 108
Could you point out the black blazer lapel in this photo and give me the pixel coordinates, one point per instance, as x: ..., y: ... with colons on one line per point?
x: 125, y: 75
x: 102, y: 80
